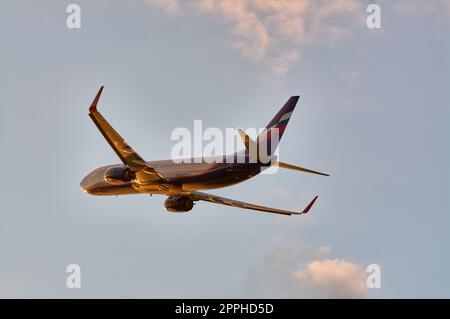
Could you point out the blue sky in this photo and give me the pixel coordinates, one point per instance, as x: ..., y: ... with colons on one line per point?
x: 373, y: 112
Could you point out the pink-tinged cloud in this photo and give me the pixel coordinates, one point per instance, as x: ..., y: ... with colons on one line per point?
x: 333, y: 278
x: 293, y: 270
x: 274, y: 33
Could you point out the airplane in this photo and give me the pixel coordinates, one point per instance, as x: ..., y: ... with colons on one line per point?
x: 182, y: 182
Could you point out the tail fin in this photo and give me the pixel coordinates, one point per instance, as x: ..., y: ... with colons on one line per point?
x: 271, y: 136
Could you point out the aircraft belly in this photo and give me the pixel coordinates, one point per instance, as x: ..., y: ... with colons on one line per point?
x: 107, y: 189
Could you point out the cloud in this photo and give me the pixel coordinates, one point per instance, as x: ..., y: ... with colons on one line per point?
x: 291, y: 270
x: 169, y: 6
x: 274, y: 33
x: 324, y: 250
x: 332, y: 278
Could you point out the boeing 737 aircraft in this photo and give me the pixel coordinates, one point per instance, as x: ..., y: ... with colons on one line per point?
x: 181, y: 182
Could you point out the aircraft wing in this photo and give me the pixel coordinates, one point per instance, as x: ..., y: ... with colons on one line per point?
x: 196, y: 196
x: 127, y: 155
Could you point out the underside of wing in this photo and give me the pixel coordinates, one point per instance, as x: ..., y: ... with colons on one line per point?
x: 126, y: 154
x: 197, y: 196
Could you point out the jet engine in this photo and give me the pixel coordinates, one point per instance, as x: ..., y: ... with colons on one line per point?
x: 118, y: 175
x: 178, y: 204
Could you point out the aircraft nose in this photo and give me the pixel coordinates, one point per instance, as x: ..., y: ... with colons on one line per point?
x: 84, y: 185
x: 88, y: 184
x: 94, y: 182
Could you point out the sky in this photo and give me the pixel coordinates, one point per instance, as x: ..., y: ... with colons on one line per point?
x: 373, y: 112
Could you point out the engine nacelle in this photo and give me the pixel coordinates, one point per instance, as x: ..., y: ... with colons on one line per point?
x: 118, y: 175
x: 178, y: 204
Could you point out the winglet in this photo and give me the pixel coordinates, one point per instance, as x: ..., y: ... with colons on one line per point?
x: 307, y: 208
x: 93, y: 106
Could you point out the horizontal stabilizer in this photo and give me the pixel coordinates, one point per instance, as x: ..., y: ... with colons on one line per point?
x: 297, y: 168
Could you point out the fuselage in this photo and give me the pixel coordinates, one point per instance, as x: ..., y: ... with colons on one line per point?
x: 181, y: 180
x: 180, y: 176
